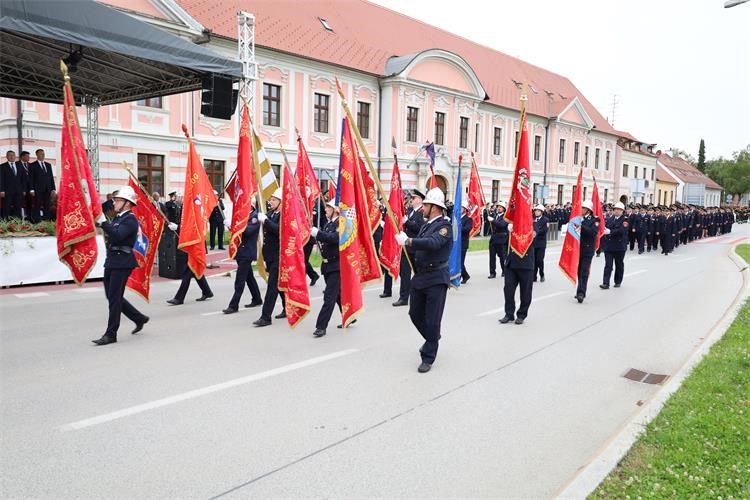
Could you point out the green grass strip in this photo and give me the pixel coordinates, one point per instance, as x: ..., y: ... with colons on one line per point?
x: 699, y: 444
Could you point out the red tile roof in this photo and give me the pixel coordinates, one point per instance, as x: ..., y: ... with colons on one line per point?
x: 663, y: 176
x: 686, y: 172
x: 365, y: 35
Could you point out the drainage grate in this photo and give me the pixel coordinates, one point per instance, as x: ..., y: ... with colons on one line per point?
x: 645, y: 377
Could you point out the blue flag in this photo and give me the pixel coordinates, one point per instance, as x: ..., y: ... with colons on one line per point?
x: 430, y: 150
x: 454, y: 263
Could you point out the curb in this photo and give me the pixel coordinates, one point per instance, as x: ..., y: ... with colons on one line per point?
x: 590, y: 475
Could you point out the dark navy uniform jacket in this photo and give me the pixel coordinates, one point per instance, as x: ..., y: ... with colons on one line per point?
x: 432, y: 249
x: 617, y: 239
x: 248, y: 249
x: 466, y: 224
x: 513, y: 261
x: 121, y: 234
x: 589, y: 230
x: 271, y: 237
x: 499, y: 229
x: 328, y: 236
x: 216, y: 217
x: 541, y: 226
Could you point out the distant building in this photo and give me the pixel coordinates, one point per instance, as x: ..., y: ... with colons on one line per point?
x: 635, y: 176
x: 693, y: 186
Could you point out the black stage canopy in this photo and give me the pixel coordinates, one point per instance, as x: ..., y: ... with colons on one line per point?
x: 121, y: 58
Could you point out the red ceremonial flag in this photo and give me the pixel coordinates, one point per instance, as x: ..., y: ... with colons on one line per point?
x: 358, y: 258
x: 77, y: 199
x: 599, y: 213
x: 390, y: 250
x: 307, y: 183
x: 293, y: 235
x: 433, y: 179
x: 331, y: 190
x: 373, y: 211
x: 199, y: 201
x: 571, y: 251
x: 476, y: 198
x: 151, y: 222
x: 519, y: 205
x: 243, y: 186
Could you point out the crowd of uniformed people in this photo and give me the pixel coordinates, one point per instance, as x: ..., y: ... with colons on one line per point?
x: 427, y: 239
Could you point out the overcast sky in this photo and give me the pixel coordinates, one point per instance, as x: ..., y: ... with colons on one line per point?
x: 680, y: 68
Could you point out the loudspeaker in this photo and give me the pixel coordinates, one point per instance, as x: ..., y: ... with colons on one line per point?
x: 218, y: 99
x: 172, y: 262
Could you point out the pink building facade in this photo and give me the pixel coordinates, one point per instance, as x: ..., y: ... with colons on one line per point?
x: 428, y: 95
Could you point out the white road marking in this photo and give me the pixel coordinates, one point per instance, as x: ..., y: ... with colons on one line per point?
x: 687, y: 260
x: 133, y: 410
x: 212, y: 313
x: 88, y: 290
x: 534, y: 299
x: 31, y: 295
x: 628, y: 275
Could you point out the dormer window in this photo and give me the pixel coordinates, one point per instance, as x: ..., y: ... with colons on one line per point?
x: 325, y: 24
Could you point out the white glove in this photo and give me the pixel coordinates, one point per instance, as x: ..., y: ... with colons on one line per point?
x: 101, y: 218
x: 382, y: 223
x: 607, y: 230
x: 401, y: 238
x: 172, y: 226
x: 227, y: 223
x: 405, y: 218
x: 490, y: 219
x: 262, y: 217
x: 32, y: 191
x: 510, y: 228
x: 314, y: 232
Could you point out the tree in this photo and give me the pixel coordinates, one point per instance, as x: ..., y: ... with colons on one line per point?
x: 702, y: 156
x: 733, y: 174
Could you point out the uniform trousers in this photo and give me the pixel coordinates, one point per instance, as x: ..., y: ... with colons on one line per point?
x: 523, y: 279
x: 187, y: 275
x: 309, y: 270
x: 464, y: 273
x: 426, y: 313
x: 641, y: 239
x: 331, y: 297
x: 244, y: 277
x: 497, y: 250
x: 41, y: 206
x: 405, y: 278
x: 217, y: 227
x: 272, y: 291
x: 539, y: 261
x: 618, y: 258
x: 388, y: 281
x: 584, y: 268
x: 114, y: 289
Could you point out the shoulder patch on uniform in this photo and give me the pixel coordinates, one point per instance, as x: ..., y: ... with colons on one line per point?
x: 443, y: 231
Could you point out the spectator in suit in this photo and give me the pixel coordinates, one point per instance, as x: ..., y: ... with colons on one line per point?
x: 27, y: 202
x: 42, y: 186
x: 12, y: 186
x: 158, y: 203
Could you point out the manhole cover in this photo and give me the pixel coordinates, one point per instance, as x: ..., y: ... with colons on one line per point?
x: 645, y: 377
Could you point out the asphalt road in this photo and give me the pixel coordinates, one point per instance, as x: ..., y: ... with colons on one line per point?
x: 203, y: 405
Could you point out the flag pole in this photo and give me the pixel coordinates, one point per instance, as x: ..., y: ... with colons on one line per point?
x: 138, y: 183
x: 299, y: 195
x: 521, y: 122
x: 395, y: 160
x: 367, y: 157
x: 259, y: 181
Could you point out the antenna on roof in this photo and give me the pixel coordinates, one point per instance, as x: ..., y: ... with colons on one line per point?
x: 615, y: 102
